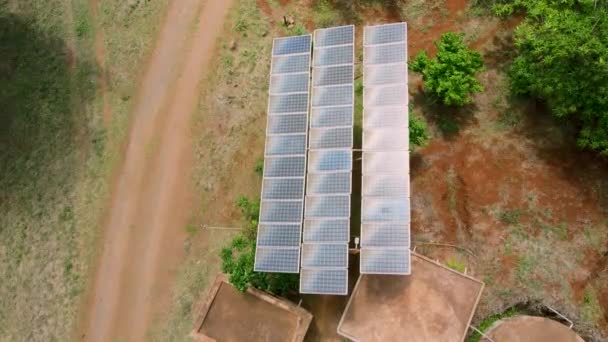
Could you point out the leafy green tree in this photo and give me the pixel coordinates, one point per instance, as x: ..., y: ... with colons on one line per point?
x: 418, y: 131
x: 563, y: 59
x: 451, y: 74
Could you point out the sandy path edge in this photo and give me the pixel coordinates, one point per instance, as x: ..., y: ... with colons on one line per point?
x: 144, y: 226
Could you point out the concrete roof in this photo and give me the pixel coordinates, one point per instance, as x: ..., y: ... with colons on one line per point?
x: 435, y: 303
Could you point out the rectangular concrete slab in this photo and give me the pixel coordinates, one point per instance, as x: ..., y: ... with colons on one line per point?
x: 229, y: 315
x: 434, y: 303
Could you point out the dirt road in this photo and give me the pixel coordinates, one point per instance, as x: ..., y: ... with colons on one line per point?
x: 144, y: 227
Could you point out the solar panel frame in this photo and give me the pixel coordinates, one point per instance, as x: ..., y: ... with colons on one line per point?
x: 326, y: 234
x: 282, y: 195
x: 385, y: 188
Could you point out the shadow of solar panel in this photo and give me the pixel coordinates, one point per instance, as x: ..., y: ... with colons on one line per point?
x: 324, y: 255
x: 385, y: 261
x: 340, y: 137
x: 334, y: 75
x: 393, y: 95
x: 291, y: 45
x: 290, y: 83
x: 386, y: 139
x: 292, y: 103
x: 386, y: 162
x: 334, y: 36
x: 285, y: 144
x: 383, y: 34
x: 333, y: 96
x: 277, y: 235
x: 278, y: 211
x: 385, y: 54
x: 284, y: 166
x: 333, y: 56
x: 283, y: 188
x: 377, y: 117
x: 382, y: 209
x: 288, y: 123
x: 384, y: 74
x: 324, y: 281
x: 290, y: 64
x: 385, y: 235
x: 386, y: 185
x: 331, y: 117
x: 321, y: 161
x: 326, y: 230
x: 328, y: 183
x: 327, y: 206
x: 277, y: 260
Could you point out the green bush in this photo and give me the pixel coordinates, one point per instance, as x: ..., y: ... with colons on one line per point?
x: 418, y: 131
x: 563, y: 59
x: 450, y: 76
x: 238, y: 258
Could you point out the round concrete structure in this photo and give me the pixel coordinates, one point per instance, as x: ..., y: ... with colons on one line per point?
x: 530, y: 328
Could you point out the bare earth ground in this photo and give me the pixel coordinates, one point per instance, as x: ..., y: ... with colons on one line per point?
x: 506, y: 184
x: 144, y: 231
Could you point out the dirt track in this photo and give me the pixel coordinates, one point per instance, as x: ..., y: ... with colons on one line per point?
x: 144, y: 226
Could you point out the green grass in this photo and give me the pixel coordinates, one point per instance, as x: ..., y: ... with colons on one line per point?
x: 487, y: 323
x: 56, y: 154
x: 456, y: 265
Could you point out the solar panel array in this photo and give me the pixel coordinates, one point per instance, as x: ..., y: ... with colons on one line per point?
x: 385, y: 203
x: 282, y: 203
x: 329, y: 180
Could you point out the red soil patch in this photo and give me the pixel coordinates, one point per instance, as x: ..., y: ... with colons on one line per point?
x: 438, y: 23
x: 265, y: 7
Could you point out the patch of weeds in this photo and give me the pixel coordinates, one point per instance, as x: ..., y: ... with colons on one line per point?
x: 259, y: 167
x: 510, y: 216
x: 250, y: 57
x: 323, y: 14
x: 591, y: 311
x: 298, y: 30
x: 594, y: 236
x: 241, y: 26
x: 191, y: 229
x: 456, y: 265
x: 487, y: 322
x: 525, y: 266
x: 560, y: 230
x: 416, y: 9
x: 508, y: 119
x: 450, y: 179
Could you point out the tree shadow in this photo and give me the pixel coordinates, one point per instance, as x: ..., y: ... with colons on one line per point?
x: 43, y: 94
x: 448, y: 120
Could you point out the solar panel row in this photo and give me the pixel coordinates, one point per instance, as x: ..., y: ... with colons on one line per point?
x: 282, y: 203
x: 385, y: 206
x: 328, y: 188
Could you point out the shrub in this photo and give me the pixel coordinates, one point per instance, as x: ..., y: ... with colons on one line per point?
x: 450, y: 76
x: 418, y: 131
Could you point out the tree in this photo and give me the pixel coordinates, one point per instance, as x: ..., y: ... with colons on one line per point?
x: 451, y: 74
x: 563, y: 59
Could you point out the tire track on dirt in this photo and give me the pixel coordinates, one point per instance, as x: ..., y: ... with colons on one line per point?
x: 144, y: 227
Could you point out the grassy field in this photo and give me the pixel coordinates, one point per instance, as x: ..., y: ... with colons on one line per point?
x: 56, y: 151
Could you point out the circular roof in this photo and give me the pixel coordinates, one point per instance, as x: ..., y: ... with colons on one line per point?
x: 529, y: 328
